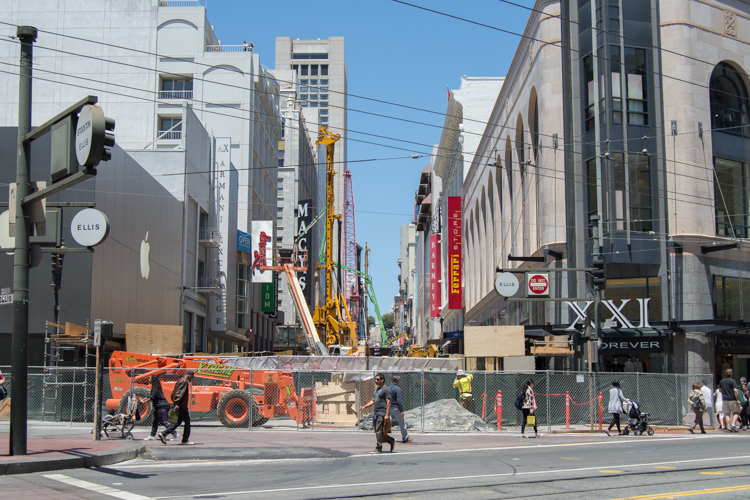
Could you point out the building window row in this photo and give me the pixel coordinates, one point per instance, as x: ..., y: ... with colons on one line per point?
x: 311, y: 69
x: 170, y: 128
x: 244, y: 295
x: 176, y: 88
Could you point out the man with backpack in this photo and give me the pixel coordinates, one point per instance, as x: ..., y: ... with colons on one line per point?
x: 698, y: 405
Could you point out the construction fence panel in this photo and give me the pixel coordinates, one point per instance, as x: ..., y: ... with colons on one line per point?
x: 245, y: 398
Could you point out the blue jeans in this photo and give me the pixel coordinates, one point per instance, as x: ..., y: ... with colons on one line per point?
x: 397, y: 418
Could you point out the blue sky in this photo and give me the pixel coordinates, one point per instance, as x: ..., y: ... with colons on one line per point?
x: 394, y: 53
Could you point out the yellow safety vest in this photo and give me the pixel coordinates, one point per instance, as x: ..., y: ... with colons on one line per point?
x: 464, y: 385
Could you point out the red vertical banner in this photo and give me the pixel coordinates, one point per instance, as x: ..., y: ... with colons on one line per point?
x: 454, y: 252
x: 435, y: 275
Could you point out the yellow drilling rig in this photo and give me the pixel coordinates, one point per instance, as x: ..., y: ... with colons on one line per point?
x: 328, y: 318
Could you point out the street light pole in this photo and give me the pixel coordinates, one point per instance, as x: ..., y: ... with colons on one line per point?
x: 19, y: 349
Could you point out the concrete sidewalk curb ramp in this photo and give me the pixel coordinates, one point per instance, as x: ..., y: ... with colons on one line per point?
x: 31, y: 465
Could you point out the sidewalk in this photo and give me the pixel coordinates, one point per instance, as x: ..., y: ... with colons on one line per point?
x: 56, y: 447
x: 50, y: 449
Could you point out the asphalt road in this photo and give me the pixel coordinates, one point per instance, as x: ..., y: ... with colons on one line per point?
x: 708, y: 466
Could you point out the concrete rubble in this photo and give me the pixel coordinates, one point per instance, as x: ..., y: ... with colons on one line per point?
x: 442, y: 415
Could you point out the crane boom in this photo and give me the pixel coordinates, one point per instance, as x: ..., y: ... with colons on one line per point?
x: 371, y: 290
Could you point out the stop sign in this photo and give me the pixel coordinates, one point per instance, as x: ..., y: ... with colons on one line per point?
x: 538, y: 285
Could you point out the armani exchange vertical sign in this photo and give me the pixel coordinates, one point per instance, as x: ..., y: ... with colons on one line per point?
x: 223, y: 162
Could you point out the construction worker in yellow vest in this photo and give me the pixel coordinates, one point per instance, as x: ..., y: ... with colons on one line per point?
x: 463, y: 384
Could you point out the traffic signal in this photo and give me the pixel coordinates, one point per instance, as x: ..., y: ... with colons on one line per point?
x: 599, y: 273
x: 94, y: 136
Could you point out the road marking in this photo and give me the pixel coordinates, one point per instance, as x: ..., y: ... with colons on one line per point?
x: 710, y: 491
x: 104, y: 490
x: 455, y: 478
x: 664, y: 467
x: 611, y: 471
x: 203, y: 463
x: 712, y: 473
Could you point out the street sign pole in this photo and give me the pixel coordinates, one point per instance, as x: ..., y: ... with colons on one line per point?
x: 98, y: 382
x: 19, y: 349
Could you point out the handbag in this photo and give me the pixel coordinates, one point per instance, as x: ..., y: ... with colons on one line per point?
x: 531, y: 420
x: 386, y: 426
x: 173, y: 416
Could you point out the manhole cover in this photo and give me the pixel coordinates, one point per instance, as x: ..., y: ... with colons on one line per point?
x: 397, y: 463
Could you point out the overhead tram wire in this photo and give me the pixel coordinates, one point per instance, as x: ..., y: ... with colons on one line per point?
x: 420, y: 154
x: 554, y: 44
x: 332, y: 91
x: 204, y: 110
x: 611, y: 33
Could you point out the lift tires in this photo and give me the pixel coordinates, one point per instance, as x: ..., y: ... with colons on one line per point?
x: 146, y: 409
x: 234, y: 408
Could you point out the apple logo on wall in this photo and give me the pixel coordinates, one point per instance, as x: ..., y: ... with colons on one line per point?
x: 145, y: 249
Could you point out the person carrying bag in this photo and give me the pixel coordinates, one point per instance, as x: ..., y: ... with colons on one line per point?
x: 528, y: 407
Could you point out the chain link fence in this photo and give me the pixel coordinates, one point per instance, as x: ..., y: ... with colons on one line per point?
x: 313, y: 399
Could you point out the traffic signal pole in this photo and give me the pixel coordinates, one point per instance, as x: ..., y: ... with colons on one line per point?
x: 19, y: 349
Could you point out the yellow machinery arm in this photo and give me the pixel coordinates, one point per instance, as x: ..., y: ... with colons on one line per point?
x: 327, y: 317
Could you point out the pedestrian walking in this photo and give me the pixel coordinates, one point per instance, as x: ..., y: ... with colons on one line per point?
x: 381, y: 403
x: 161, y: 408
x: 719, y: 407
x: 397, y: 408
x: 730, y: 398
x: 463, y: 384
x: 708, y: 397
x: 181, y: 401
x: 616, y: 399
x: 698, y: 405
x: 528, y: 407
x: 744, y: 398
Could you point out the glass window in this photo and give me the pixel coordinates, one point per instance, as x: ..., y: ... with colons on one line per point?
x: 313, y: 82
x: 639, y: 174
x: 176, y: 88
x: 634, y: 288
x: 303, y: 97
x: 591, y: 185
x: 588, y: 73
x: 324, y: 104
x: 616, y: 90
x: 730, y: 195
x: 303, y: 82
x: 324, y: 119
x: 313, y: 90
x: 303, y: 89
x: 635, y: 67
x: 170, y: 128
x: 313, y: 97
x: 731, y: 298
x: 324, y: 89
x: 314, y: 70
x: 324, y: 69
x: 324, y: 112
x: 730, y: 106
x: 303, y: 69
x: 324, y: 97
x: 324, y: 82
x: 295, y: 67
x: 303, y: 104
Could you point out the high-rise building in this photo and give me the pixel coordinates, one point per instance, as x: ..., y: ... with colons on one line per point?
x: 322, y: 74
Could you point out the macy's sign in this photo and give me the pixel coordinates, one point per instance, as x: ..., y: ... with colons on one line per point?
x: 618, y: 316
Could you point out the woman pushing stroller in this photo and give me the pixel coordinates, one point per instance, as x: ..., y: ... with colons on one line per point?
x: 616, y: 399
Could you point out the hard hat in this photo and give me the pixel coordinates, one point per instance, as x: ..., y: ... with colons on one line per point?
x: 460, y: 373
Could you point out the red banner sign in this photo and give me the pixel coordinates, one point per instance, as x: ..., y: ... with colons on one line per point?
x: 454, y: 252
x: 435, y: 275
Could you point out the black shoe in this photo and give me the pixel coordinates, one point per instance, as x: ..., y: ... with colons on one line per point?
x: 703, y: 432
x: 393, y: 445
x: 377, y: 450
x: 690, y: 431
x: 161, y: 438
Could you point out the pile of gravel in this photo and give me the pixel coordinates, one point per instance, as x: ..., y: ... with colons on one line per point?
x: 442, y: 415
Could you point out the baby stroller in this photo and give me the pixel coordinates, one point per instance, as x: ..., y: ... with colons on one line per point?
x: 122, y: 423
x: 637, y: 420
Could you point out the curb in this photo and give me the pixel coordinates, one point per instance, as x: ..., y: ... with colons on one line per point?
x: 46, y: 465
x: 655, y: 427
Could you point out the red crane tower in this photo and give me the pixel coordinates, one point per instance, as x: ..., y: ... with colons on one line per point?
x: 351, y: 280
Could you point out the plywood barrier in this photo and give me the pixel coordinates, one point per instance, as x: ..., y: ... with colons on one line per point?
x: 163, y: 340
